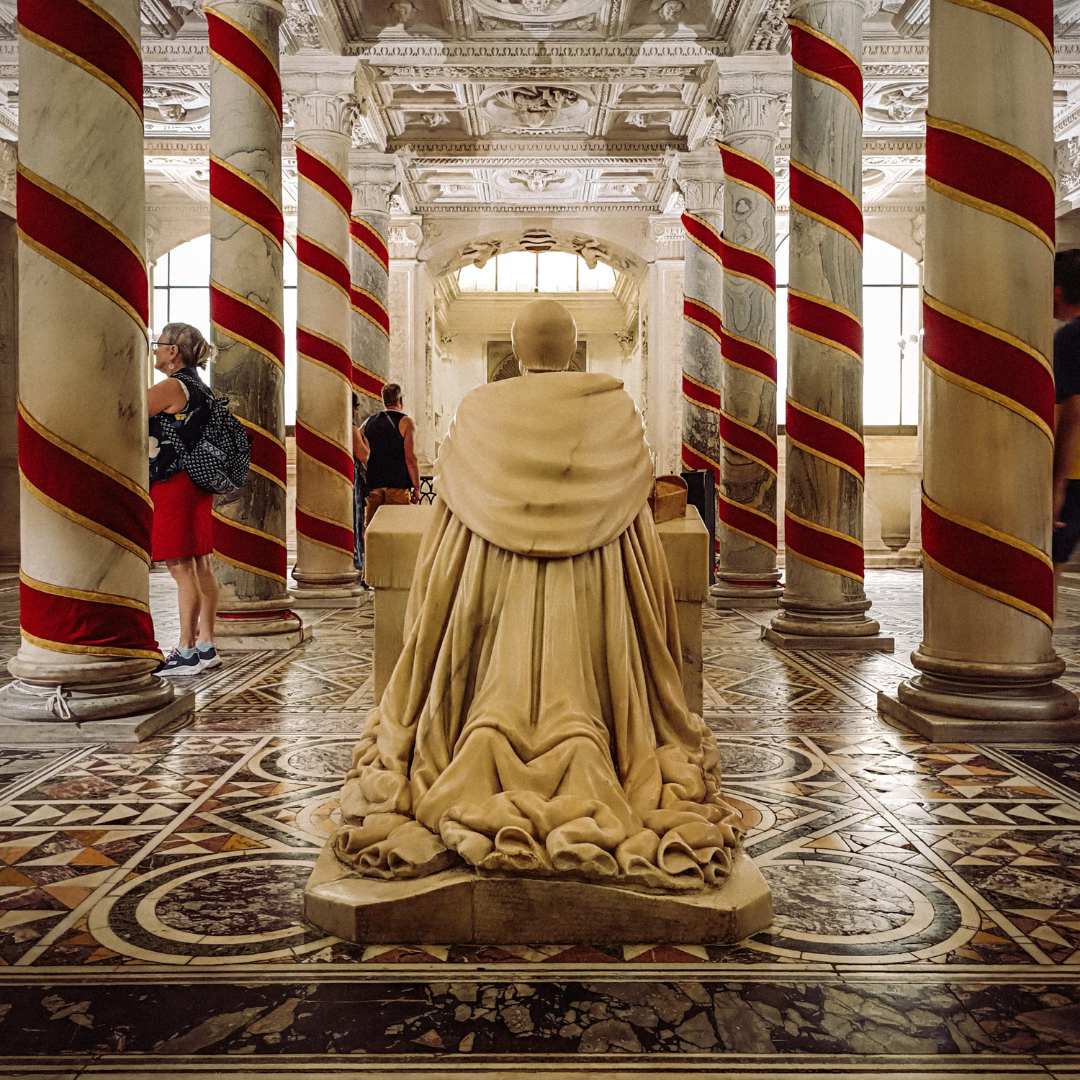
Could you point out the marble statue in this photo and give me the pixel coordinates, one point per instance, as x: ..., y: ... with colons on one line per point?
x: 535, y: 723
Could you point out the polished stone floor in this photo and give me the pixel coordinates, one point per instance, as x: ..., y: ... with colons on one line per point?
x: 927, y: 897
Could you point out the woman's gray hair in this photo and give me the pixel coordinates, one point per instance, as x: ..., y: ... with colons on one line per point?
x: 194, y: 349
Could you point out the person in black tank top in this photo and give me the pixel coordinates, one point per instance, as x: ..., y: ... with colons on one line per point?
x: 393, y: 476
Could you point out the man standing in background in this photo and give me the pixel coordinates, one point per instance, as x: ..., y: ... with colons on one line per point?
x: 385, y: 444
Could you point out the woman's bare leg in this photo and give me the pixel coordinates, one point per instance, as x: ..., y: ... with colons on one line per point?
x: 208, y: 592
x: 187, y: 595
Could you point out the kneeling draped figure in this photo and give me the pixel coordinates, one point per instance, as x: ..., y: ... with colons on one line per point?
x: 535, y: 722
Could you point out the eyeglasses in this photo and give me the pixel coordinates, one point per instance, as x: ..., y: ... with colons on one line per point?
x: 155, y: 344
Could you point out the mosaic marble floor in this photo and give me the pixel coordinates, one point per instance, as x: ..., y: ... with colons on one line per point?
x: 927, y: 897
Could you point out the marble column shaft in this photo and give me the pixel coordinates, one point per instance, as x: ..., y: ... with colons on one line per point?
x: 986, y: 660
x: 324, y: 461
x: 370, y: 261
x: 823, y: 597
x: 701, y: 179
x: 746, y: 528
x: 88, y: 648
x: 246, y: 312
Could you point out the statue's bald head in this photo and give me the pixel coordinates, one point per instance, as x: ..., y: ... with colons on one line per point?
x: 544, y: 337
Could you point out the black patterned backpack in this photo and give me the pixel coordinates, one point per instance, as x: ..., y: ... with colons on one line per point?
x: 216, y: 448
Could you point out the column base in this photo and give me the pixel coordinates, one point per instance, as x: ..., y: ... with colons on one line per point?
x: 268, y: 628
x: 827, y: 630
x: 986, y: 720
x: 26, y: 717
x: 324, y: 596
x: 727, y: 596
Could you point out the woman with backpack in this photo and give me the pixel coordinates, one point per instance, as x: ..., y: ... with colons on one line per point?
x: 182, y: 533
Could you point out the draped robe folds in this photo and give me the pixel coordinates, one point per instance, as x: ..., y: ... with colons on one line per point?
x: 535, y: 722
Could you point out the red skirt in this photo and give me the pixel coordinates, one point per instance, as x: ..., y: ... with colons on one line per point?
x: 183, y: 519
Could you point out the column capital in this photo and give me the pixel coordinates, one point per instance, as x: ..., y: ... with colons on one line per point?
x: 373, y: 177
x: 666, y: 237
x: 406, y: 237
x: 320, y: 111
x: 701, y: 179
x: 754, y: 109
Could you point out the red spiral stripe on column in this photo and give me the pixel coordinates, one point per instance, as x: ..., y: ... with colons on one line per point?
x: 748, y: 264
x: 703, y: 234
x: 825, y: 322
x: 323, y: 531
x: 989, y: 362
x: 826, y: 548
x: 268, y: 455
x: 695, y: 460
x: 367, y: 382
x: 249, y: 549
x: 320, y: 173
x: 369, y: 239
x: 987, y: 174
x: 1035, y: 17
x: 988, y: 561
x: 86, y: 35
x: 744, y: 353
x: 748, y: 441
x: 320, y: 449
x: 243, y: 198
x: 371, y: 307
x: 748, y: 171
x: 818, y: 197
x: 825, y: 438
x: 754, y: 524
x: 246, y: 322
x: 700, y: 314
x: 234, y: 47
x: 707, y: 397
x: 81, y: 621
x: 88, y: 492
x: 68, y: 233
x: 820, y: 57
x: 320, y: 349
x: 319, y: 260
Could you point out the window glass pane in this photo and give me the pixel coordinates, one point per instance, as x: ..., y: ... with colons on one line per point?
x: 600, y: 279
x: 781, y: 351
x: 782, y: 257
x: 517, y: 271
x: 161, y: 311
x: 290, y: 356
x: 189, y: 264
x: 881, y: 263
x: 191, y: 306
x: 477, y: 278
x: 881, y: 375
x: 288, y: 266
x: 912, y: 363
x: 558, y: 271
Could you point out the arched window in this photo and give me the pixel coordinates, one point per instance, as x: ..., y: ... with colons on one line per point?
x: 890, y: 334
x: 182, y: 294
x: 536, y: 272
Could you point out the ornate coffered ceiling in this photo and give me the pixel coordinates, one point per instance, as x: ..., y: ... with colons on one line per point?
x: 555, y: 108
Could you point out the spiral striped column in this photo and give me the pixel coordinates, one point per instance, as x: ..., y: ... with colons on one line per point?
x: 247, y: 237
x: 324, y: 571
x: 88, y: 648
x: 986, y: 661
x: 370, y: 262
x: 824, y: 604
x: 747, y: 573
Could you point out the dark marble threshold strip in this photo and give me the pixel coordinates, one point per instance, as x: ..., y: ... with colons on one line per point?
x: 553, y: 1066
x: 926, y: 973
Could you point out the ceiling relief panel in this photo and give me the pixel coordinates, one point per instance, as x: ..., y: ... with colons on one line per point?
x: 567, y: 18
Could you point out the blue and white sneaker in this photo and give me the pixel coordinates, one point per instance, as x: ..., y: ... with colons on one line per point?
x: 208, y: 657
x: 180, y: 662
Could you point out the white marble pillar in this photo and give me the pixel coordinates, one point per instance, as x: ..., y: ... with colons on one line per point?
x: 824, y: 605
x: 372, y: 176
x: 662, y: 342
x: 986, y: 662
x: 323, y: 108
x: 747, y: 574
x: 702, y: 182
x: 247, y: 234
x: 88, y: 651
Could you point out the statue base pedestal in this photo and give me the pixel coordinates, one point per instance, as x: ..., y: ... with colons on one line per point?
x: 459, y: 906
